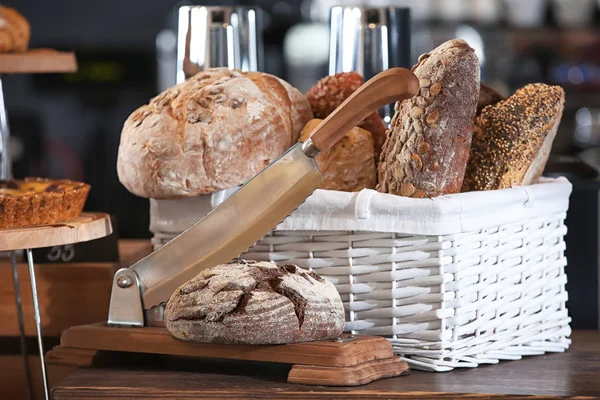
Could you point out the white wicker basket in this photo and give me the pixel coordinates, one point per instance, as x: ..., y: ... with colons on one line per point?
x: 456, y: 281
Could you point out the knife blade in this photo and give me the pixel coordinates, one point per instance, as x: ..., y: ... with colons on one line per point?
x: 267, y: 199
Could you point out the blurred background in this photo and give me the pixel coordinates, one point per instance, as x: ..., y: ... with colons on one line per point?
x: 69, y: 125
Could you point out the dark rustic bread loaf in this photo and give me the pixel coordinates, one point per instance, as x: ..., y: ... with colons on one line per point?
x: 255, y: 303
x: 513, y: 138
x: 428, y: 143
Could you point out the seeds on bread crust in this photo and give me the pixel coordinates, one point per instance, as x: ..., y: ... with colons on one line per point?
x: 509, y: 134
x: 421, y: 140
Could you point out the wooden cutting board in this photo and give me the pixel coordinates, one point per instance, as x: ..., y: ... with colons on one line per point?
x: 346, y: 361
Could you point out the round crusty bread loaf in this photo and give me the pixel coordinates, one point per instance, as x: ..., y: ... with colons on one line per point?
x: 255, y: 303
x: 14, y: 31
x: 349, y: 165
x: 214, y: 131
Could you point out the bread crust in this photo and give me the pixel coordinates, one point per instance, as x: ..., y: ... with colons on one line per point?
x: 331, y: 91
x: 513, y: 138
x: 214, y: 131
x: 14, y: 31
x: 349, y: 165
x: 487, y: 97
x: 428, y: 143
x: 246, y: 302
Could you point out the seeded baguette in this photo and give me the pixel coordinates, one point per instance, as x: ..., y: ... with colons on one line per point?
x: 426, y: 151
x: 248, y: 302
x: 513, y: 138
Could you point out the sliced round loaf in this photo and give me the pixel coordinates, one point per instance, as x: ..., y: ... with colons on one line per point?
x: 214, y: 131
x: 255, y: 303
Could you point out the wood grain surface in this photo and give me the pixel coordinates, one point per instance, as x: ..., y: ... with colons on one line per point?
x: 574, y: 374
x: 12, y: 378
x: 155, y: 340
x: 348, y: 376
x: 88, y: 226
x: 38, y: 61
x: 69, y: 294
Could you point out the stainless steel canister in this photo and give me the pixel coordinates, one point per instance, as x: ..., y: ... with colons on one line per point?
x: 369, y: 40
x: 209, y: 37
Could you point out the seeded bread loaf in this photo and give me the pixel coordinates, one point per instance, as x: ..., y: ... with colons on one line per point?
x: 428, y: 143
x: 214, y: 131
x: 349, y: 165
x: 331, y: 91
x: 255, y: 303
x: 513, y: 138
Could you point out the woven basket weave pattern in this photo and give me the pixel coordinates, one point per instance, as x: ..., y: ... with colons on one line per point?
x: 444, y: 301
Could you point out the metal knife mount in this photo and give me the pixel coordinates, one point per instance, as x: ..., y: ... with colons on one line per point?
x: 140, y: 291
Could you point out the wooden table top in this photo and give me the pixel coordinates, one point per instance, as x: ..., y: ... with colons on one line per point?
x: 570, y: 374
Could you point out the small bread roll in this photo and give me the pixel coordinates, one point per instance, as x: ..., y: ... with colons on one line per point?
x: 331, y: 91
x: 14, y: 31
x: 349, y: 165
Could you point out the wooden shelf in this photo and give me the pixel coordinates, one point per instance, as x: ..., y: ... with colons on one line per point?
x: 38, y: 61
x: 88, y: 226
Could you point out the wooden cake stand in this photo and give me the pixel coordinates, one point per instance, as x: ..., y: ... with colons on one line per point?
x: 88, y: 226
x: 36, y: 61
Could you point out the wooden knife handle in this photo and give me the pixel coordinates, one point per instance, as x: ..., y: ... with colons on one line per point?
x: 394, y: 84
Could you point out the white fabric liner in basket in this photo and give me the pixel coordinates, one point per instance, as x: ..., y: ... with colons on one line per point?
x: 455, y: 281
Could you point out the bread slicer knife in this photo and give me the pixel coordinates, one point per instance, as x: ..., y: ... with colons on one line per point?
x: 250, y: 213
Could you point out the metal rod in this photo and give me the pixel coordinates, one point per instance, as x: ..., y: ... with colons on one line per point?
x: 6, y: 173
x: 5, y: 164
x: 20, y: 321
x: 38, y: 324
